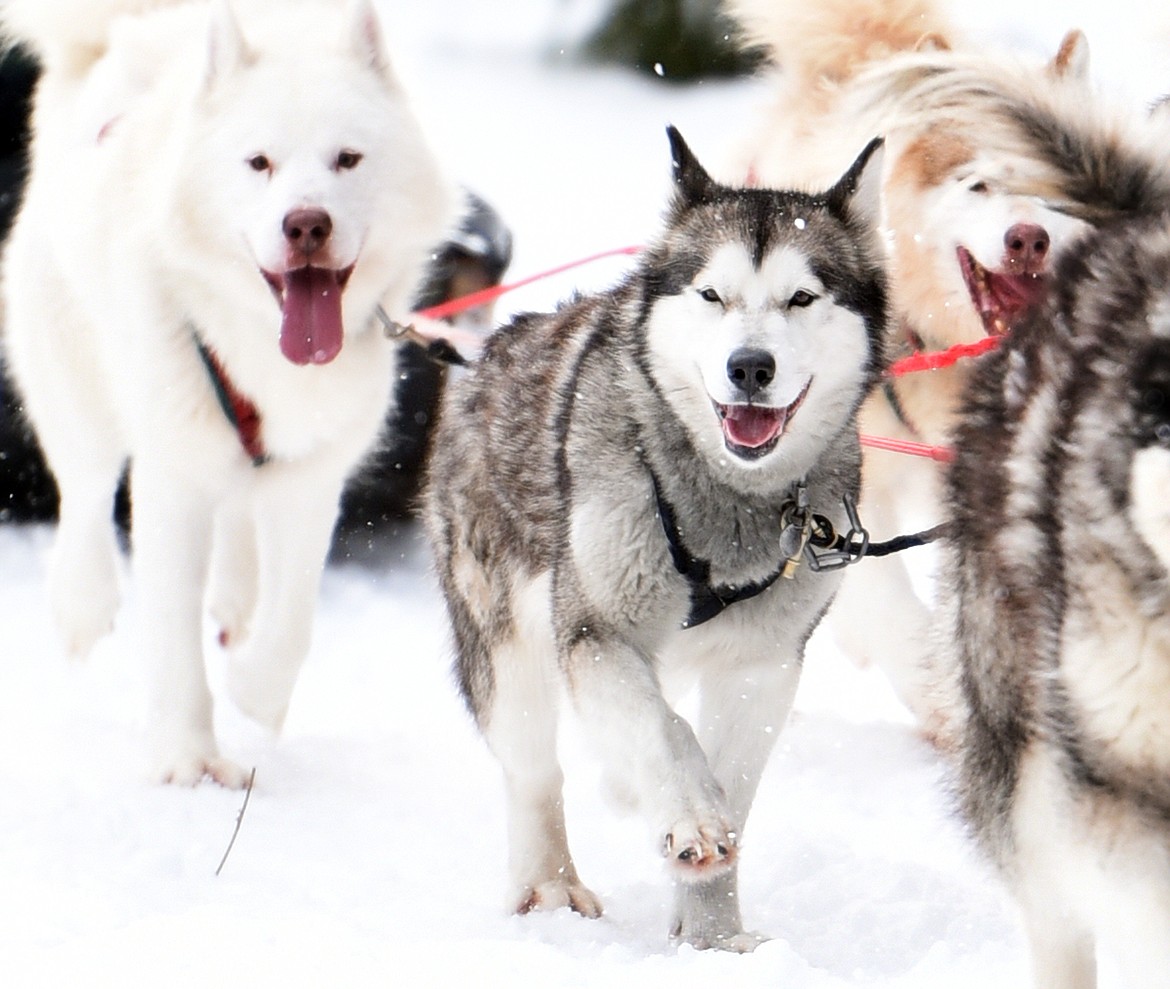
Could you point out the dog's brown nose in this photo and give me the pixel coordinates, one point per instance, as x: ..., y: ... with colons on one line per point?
x: 307, y: 230
x: 1025, y: 248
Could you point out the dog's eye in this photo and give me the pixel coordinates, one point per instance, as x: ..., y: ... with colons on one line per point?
x: 800, y: 299
x: 709, y: 295
x: 347, y: 160
x: 260, y: 163
x: 979, y: 187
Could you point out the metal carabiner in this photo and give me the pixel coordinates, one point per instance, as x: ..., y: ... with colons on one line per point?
x: 843, y: 550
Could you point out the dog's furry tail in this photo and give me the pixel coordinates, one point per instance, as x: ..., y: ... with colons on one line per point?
x: 827, y: 42
x: 70, y: 34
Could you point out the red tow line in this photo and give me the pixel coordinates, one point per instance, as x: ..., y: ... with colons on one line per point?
x: 942, y: 358
x: 930, y: 361
x: 941, y: 454
x: 465, y: 302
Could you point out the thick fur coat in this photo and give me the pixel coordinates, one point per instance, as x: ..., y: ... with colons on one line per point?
x: 1056, y: 605
x: 220, y: 195
x: 596, y: 453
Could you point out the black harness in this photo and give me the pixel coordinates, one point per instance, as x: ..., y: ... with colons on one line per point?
x: 706, y: 601
x: 804, y: 535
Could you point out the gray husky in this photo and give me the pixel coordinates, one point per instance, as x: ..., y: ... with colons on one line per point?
x: 615, y: 490
x: 1059, y: 610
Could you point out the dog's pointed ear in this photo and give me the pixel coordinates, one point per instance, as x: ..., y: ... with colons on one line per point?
x: 365, y: 38
x: 226, y: 47
x: 1071, y: 60
x: 858, y: 193
x: 691, y: 180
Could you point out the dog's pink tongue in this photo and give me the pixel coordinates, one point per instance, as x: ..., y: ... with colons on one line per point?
x: 310, y: 325
x: 752, y: 426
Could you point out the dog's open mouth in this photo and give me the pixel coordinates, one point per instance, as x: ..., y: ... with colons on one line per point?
x: 752, y: 431
x: 310, y: 312
x: 1000, y: 299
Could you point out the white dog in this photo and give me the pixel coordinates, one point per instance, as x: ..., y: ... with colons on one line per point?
x: 219, y: 200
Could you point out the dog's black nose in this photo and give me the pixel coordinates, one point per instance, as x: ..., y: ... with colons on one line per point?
x: 307, y: 230
x: 751, y: 370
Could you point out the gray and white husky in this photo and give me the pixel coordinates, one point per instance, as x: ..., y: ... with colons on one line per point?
x: 615, y: 473
x: 1059, y: 610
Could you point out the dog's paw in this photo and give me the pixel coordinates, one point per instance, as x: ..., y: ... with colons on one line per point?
x: 264, y: 701
x: 558, y: 893
x: 700, y: 849
x: 80, y: 633
x: 83, y: 587
x: 83, y: 615
x: 190, y: 771
x: 738, y: 942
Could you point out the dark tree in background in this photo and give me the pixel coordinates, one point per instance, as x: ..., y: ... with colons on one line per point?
x: 678, y: 40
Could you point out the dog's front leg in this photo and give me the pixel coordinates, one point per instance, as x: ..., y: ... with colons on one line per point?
x: 651, y: 751
x: 518, y: 717
x: 83, y: 577
x: 171, y: 539
x: 743, y: 707
x: 234, y: 578
x: 294, y: 511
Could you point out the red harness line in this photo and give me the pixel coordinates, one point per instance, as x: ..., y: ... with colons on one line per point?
x: 465, y: 302
x: 942, y: 454
x: 942, y: 358
x: 916, y: 362
x: 930, y: 361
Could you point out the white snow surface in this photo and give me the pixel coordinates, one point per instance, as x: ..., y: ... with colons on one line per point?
x: 372, y: 851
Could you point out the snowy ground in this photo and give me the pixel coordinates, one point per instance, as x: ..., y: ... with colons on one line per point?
x: 372, y: 851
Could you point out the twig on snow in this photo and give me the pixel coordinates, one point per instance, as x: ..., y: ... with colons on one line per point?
x: 239, y: 821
